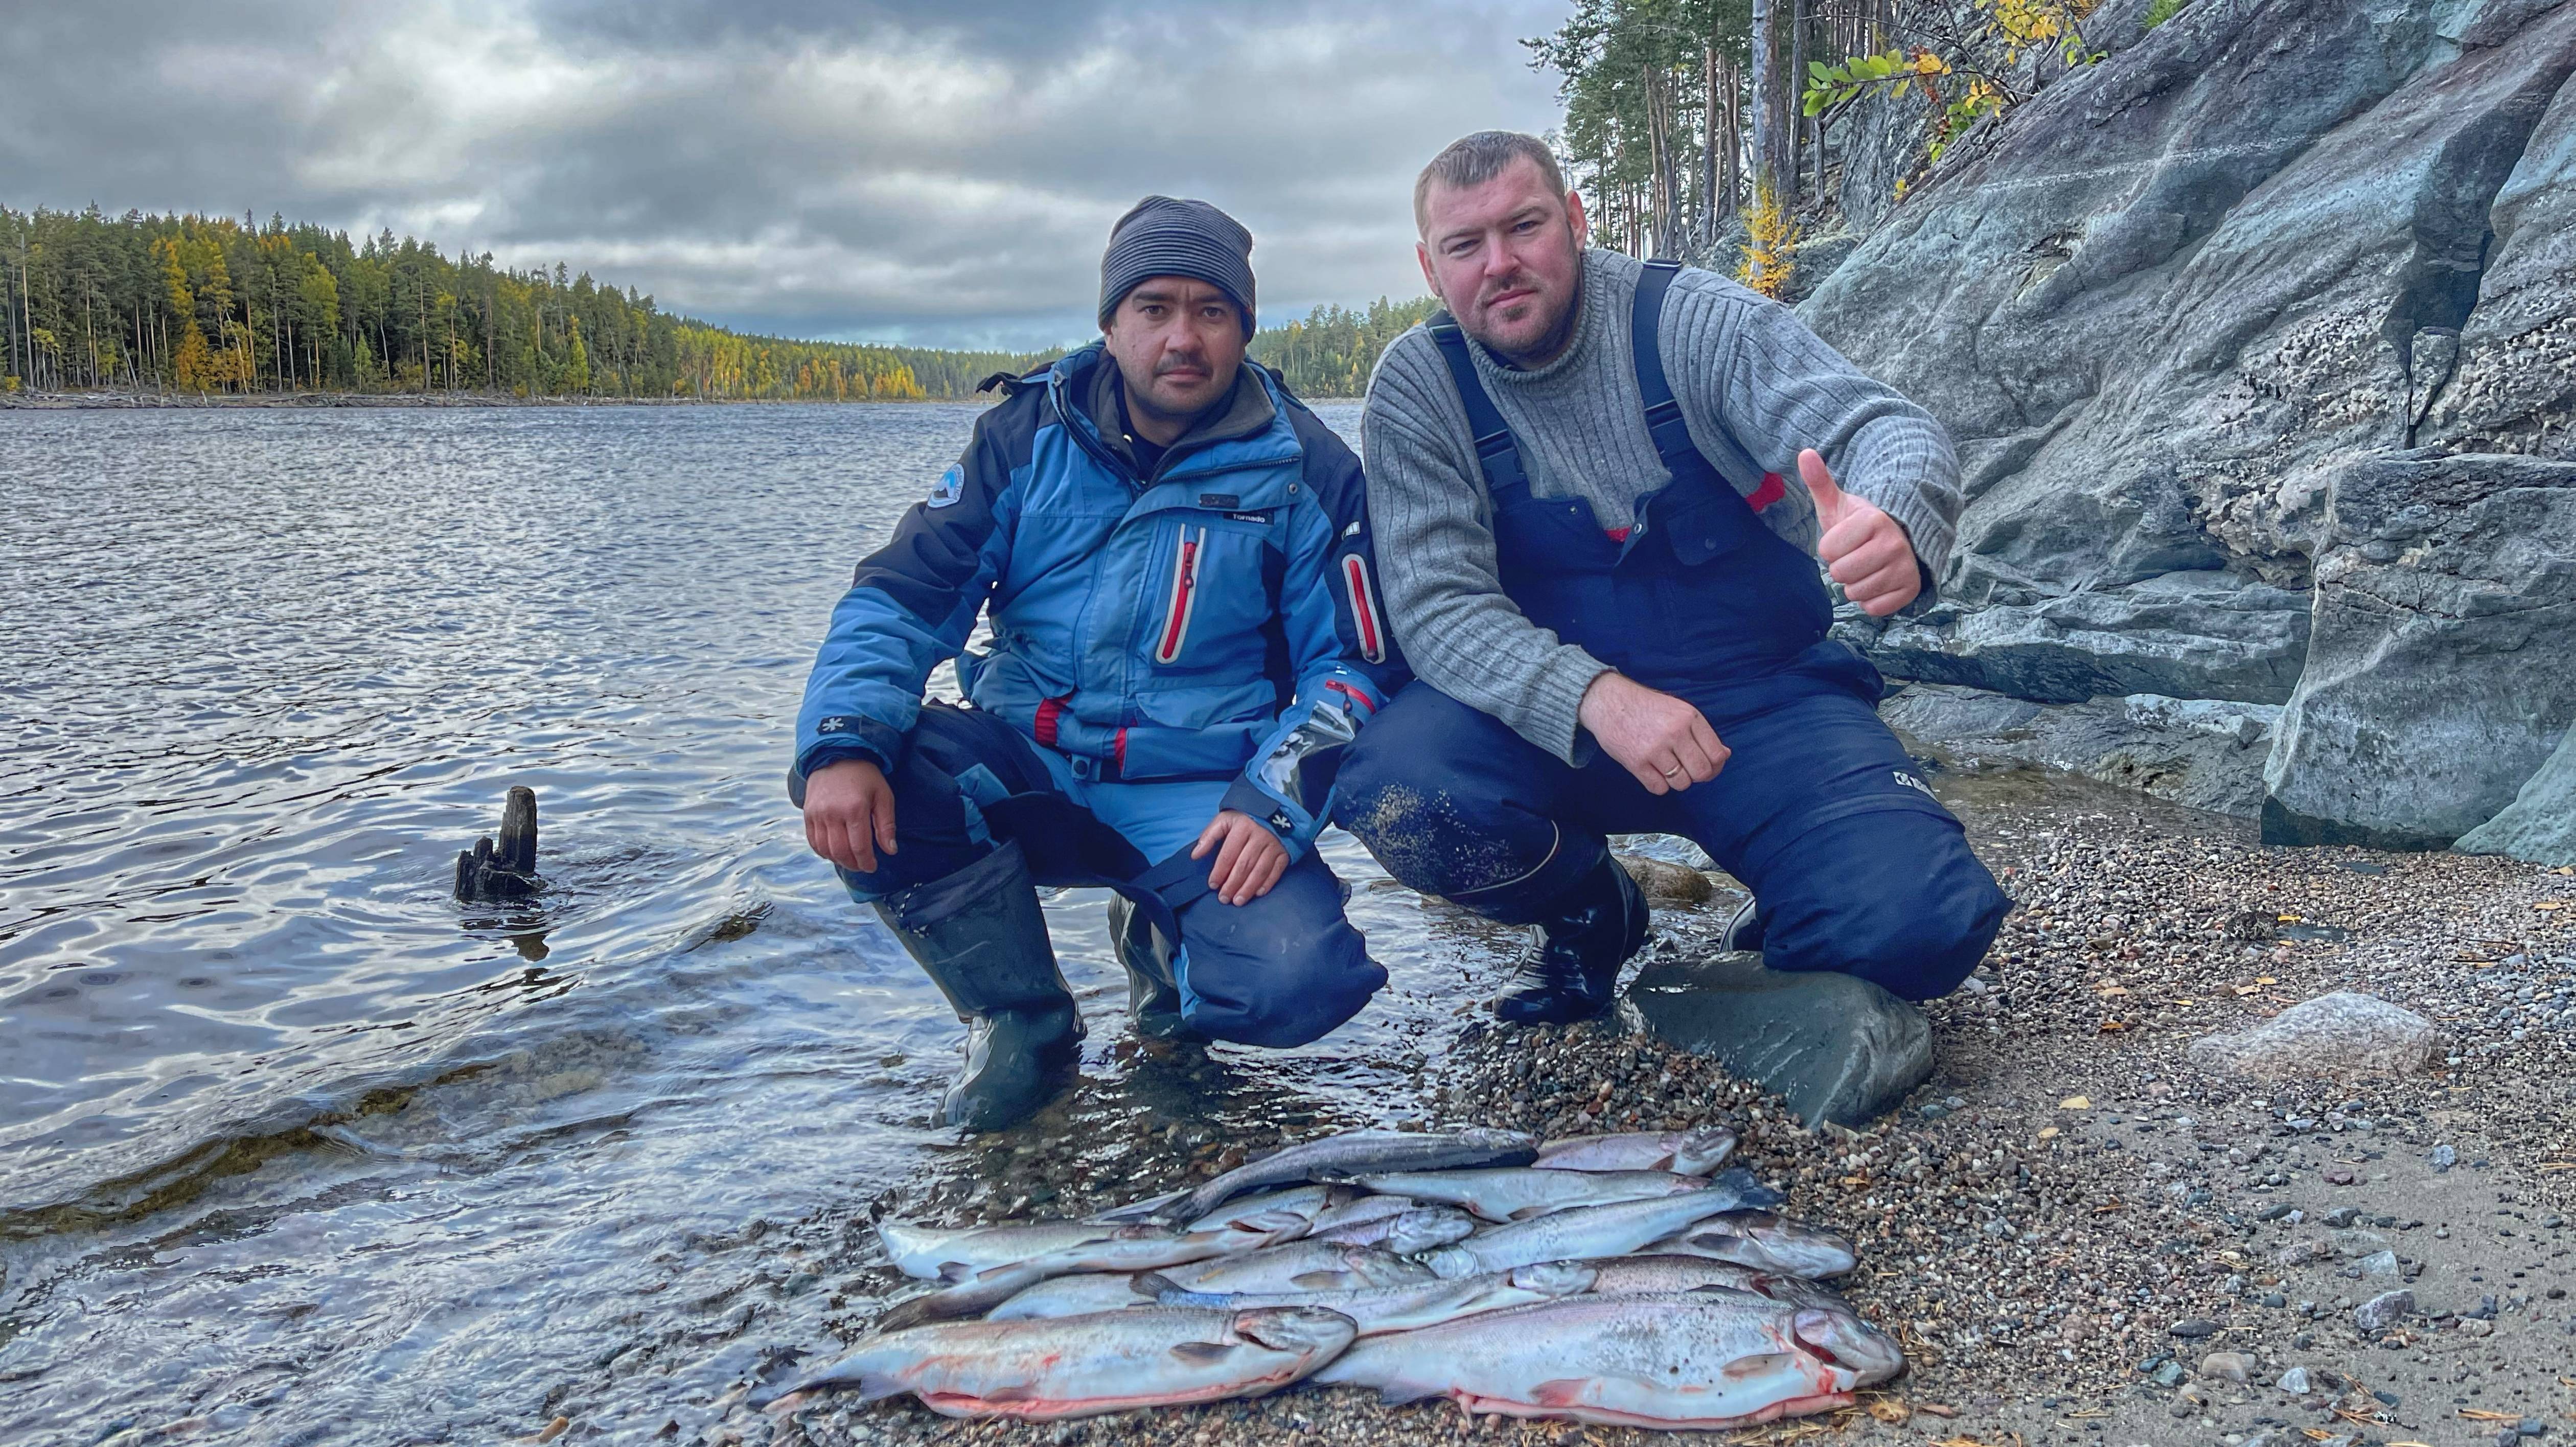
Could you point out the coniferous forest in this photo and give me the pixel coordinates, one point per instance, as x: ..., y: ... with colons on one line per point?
x: 217, y: 306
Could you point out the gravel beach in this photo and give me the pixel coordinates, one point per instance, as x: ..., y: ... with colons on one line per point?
x: 2077, y: 1235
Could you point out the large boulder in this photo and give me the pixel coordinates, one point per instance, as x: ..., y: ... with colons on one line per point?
x: 2438, y: 678
x: 1837, y: 1047
x: 2340, y: 1034
x: 2540, y: 824
x: 2200, y: 753
x: 2169, y: 298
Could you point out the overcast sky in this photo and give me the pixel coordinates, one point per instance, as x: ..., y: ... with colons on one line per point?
x: 934, y: 171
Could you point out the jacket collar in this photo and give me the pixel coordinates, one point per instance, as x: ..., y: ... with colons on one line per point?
x: 1090, y: 375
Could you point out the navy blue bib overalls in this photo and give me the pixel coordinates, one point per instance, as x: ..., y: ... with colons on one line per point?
x: 1856, y: 867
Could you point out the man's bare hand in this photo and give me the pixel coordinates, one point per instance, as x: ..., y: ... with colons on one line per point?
x: 849, y: 814
x: 1249, y: 858
x: 1866, y: 550
x: 1661, y: 739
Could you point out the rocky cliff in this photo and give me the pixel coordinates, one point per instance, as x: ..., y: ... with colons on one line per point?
x: 2259, y: 341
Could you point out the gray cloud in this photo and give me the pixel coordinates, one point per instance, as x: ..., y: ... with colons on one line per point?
x: 900, y: 169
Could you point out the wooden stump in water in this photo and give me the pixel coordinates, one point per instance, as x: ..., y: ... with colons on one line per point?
x: 492, y: 872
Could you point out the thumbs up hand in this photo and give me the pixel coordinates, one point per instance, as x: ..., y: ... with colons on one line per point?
x: 1864, y: 549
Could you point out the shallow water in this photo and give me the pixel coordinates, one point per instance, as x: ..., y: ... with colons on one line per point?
x: 293, y: 1144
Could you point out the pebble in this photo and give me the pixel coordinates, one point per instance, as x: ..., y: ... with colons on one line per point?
x: 2343, y: 1216
x: 2234, y: 1367
x: 2443, y: 1158
x: 2475, y: 1326
x: 2295, y: 1381
x: 2193, y: 1328
x: 2383, y: 1311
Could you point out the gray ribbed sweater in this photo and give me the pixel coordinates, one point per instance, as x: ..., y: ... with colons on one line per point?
x: 1581, y: 426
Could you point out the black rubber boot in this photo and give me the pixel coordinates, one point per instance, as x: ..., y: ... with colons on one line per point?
x: 1743, y: 930
x: 1153, y: 999
x: 982, y: 939
x: 1582, y: 942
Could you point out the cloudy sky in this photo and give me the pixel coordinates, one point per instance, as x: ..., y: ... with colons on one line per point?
x: 935, y: 171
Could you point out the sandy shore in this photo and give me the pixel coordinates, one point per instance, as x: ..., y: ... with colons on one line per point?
x: 2068, y: 1220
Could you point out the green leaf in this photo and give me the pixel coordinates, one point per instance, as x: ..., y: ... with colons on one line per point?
x: 1817, y: 69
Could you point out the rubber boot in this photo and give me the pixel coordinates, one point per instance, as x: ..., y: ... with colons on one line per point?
x: 1583, y: 940
x: 1153, y: 999
x: 1743, y: 930
x: 982, y: 939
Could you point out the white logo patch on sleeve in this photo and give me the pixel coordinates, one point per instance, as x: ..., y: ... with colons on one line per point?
x: 952, y: 486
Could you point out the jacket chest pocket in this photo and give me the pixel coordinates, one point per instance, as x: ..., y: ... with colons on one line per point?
x: 1216, y: 590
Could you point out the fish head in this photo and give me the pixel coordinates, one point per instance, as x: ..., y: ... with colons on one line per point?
x: 1305, y: 1331
x: 1555, y: 1278
x: 1450, y: 1262
x: 1747, y: 1188
x: 1844, y: 1340
x: 1431, y: 1226
x: 1265, y: 1228
x: 1702, y: 1151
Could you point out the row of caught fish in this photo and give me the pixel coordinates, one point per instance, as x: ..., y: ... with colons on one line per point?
x: 1604, y: 1279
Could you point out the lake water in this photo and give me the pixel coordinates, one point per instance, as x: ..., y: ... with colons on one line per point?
x: 295, y: 1148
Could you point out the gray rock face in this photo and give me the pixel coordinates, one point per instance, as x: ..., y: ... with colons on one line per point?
x: 1837, y: 1048
x: 2540, y: 824
x: 2437, y: 679
x: 2200, y: 753
x: 2331, y: 1035
x: 2176, y: 300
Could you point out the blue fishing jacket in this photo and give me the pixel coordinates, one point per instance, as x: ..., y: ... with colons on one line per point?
x: 1219, y: 619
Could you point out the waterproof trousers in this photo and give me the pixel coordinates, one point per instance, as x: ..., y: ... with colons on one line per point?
x: 1280, y: 970
x: 1853, y: 864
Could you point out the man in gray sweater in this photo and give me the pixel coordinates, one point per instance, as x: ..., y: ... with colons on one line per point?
x: 1610, y: 593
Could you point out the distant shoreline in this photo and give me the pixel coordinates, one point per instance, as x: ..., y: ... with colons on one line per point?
x: 128, y: 401
x: 120, y: 401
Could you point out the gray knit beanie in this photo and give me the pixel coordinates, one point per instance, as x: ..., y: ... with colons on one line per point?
x: 1165, y: 237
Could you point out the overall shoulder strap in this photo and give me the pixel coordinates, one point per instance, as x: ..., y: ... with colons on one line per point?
x: 1664, y: 423
x: 1497, y: 452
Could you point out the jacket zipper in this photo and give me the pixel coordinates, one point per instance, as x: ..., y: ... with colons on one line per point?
x: 1185, y: 595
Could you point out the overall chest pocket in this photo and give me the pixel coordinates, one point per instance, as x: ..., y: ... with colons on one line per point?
x: 1217, y: 587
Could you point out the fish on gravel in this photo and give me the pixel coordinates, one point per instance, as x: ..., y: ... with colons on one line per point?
x: 1662, y: 1275
x: 1693, y: 1360
x: 1683, y: 1152
x: 1081, y: 1294
x: 1517, y: 1193
x: 1383, y: 1309
x: 1358, y: 1153
x: 1083, y: 1366
x: 952, y: 1253
x: 1572, y: 1234
x: 1128, y: 1249
x: 1764, y: 1242
x: 1301, y: 1266
x: 1418, y: 1228
x: 1307, y: 1201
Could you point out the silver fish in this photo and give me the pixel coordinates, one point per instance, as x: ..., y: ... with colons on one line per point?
x: 1382, y: 1309
x: 1082, y: 1366
x: 1683, y: 1152
x: 1570, y: 1235
x: 1357, y: 1153
x: 1514, y: 1194
x: 1659, y: 1275
x: 1692, y: 1360
x: 1307, y: 1201
x: 1764, y: 1242
x: 936, y: 1253
x: 1301, y: 1266
x: 1082, y: 1294
x: 1418, y: 1229
x: 1359, y: 1210
x: 1128, y: 1249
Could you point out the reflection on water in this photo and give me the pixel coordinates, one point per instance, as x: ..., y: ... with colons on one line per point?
x: 293, y: 1146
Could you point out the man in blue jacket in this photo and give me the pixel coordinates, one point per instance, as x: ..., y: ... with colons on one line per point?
x: 1175, y: 558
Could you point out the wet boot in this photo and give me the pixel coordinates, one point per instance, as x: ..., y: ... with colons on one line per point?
x: 982, y: 939
x: 1743, y: 930
x: 1153, y: 1000
x: 1582, y: 942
